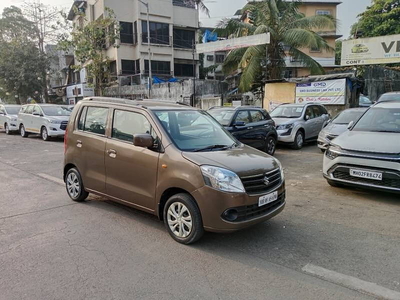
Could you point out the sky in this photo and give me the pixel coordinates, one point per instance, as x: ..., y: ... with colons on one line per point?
x: 347, y: 11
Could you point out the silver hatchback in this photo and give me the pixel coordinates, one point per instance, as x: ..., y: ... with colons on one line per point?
x: 299, y: 123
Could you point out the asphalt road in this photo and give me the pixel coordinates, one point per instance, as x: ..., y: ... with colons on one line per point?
x: 328, y: 243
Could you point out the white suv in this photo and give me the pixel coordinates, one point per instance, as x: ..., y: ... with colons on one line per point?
x: 368, y: 155
x: 9, y: 117
x: 48, y: 120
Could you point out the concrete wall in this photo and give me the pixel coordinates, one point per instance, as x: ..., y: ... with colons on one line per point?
x: 278, y: 93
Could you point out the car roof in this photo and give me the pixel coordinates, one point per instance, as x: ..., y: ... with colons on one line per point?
x: 301, y: 104
x: 10, y: 105
x: 244, y: 107
x: 388, y: 104
x: 391, y: 93
x: 145, y: 104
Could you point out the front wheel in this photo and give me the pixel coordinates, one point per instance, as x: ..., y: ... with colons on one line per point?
x: 7, y: 128
x: 74, y: 186
x: 270, y: 146
x: 44, y: 134
x: 298, y: 140
x: 182, y: 219
x: 22, y: 131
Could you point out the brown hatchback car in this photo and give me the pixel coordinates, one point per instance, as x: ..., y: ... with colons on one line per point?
x: 173, y: 161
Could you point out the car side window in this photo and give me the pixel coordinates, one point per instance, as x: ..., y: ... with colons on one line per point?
x: 96, y: 120
x: 126, y: 124
x: 256, y: 116
x: 37, y: 110
x: 82, y: 117
x: 243, y: 116
x: 309, y: 113
x: 2, y: 110
x: 29, y: 110
x: 323, y: 110
x: 317, y: 111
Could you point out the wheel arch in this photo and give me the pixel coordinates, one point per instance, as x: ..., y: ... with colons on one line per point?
x: 168, y: 193
x: 67, y: 168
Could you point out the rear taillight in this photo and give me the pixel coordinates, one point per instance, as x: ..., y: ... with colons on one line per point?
x: 65, y: 140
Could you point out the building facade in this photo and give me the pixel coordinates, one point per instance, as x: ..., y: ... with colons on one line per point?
x: 173, y: 31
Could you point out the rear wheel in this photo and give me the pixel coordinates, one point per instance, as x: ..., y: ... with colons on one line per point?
x: 44, y: 134
x: 74, y: 186
x: 298, y: 140
x: 270, y: 146
x: 22, y: 131
x: 182, y: 219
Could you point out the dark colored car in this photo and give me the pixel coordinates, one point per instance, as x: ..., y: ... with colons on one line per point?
x: 252, y: 126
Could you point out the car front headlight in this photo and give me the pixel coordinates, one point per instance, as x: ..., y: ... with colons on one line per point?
x: 281, y: 169
x: 284, y: 127
x: 222, y: 179
x: 54, y: 121
x: 332, y: 152
x: 14, y: 119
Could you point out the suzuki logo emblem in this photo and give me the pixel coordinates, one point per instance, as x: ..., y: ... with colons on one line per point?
x: 266, y: 181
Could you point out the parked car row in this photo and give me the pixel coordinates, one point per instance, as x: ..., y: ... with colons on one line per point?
x: 48, y: 120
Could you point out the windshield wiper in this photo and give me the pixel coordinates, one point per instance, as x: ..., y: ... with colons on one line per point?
x: 212, y: 147
x: 390, y: 131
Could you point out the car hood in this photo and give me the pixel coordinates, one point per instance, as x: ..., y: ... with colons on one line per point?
x: 376, y: 142
x: 280, y: 121
x: 243, y: 160
x: 334, y: 129
x: 12, y: 116
x: 58, y: 118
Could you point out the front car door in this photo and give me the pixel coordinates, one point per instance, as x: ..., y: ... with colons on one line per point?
x: 89, y: 142
x: 319, y: 119
x: 242, y: 132
x: 309, y: 123
x: 131, y: 172
x: 37, y: 119
x: 26, y: 118
x: 2, y: 116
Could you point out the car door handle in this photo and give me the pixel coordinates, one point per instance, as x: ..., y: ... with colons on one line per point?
x: 250, y: 127
x: 112, y: 153
x: 79, y: 144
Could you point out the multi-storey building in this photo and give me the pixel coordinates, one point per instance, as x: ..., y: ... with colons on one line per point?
x: 173, y: 31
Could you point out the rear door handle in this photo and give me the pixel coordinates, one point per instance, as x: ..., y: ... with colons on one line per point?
x: 112, y: 153
x: 250, y: 127
x: 79, y: 144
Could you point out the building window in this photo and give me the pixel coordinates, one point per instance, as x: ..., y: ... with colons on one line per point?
x: 210, y: 57
x: 184, y: 38
x: 130, y: 67
x: 219, y: 58
x: 113, y: 68
x: 158, y: 67
x: 159, y: 33
x: 126, y: 32
x: 184, y: 70
x: 323, y: 12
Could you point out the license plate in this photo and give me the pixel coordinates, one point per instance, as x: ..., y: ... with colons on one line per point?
x: 264, y: 200
x: 366, y: 174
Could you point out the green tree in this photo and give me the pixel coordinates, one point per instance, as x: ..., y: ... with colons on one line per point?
x: 338, y: 52
x: 89, y: 43
x: 381, y: 18
x: 291, y: 32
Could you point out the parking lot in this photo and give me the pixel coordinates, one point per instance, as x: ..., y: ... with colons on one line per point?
x: 328, y: 243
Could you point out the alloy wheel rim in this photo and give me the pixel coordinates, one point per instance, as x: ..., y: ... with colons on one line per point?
x: 22, y: 130
x: 7, y: 129
x: 73, y: 185
x: 299, y: 140
x: 271, y: 146
x: 179, y: 220
x: 44, y: 133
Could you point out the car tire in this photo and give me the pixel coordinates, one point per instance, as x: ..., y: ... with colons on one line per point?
x: 334, y: 184
x: 22, y: 131
x: 182, y: 218
x: 44, y: 134
x: 322, y: 150
x: 270, y: 145
x: 7, y: 129
x: 74, y: 186
x: 298, y: 140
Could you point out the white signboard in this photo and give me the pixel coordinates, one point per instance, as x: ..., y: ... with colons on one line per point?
x: 330, y: 92
x: 377, y: 50
x: 236, y: 43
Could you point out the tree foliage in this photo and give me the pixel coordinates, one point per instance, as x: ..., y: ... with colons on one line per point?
x: 379, y: 19
x: 291, y: 32
x: 338, y: 52
x: 89, y: 43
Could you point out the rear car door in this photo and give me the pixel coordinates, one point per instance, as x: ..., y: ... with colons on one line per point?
x: 260, y: 128
x: 131, y: 172
x: 242, y: 133
x: 89, y: 142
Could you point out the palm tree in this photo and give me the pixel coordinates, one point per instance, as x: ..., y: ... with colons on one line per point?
x: 291, y: 32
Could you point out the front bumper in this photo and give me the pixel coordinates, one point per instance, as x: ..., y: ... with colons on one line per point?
x: 286, y: 136
x: 55, y: 130
x: 324, y: 141
x: 214, y: 203
x: 338, y: 170
x: 13, y: 126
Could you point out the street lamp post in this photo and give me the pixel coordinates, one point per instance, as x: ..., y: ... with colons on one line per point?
x: 148, y: 44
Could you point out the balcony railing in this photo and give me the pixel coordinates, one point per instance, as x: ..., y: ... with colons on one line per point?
x: 184, y: 3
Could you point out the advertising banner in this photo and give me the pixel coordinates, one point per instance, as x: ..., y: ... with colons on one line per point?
x: 329, y: 92
x: 369, y: 51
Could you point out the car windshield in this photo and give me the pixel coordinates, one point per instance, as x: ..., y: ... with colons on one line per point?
x: 347, y: 116
x: 283, y: 111
x: 390, y: 97
x: 54, y: 111
x: 380, y: 119
x: 193, y: 130
x: 12, y: 110
x: 223, y: 116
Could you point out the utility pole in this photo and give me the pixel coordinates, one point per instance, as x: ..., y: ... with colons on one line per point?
x: 194, y: 73
x: 148, y: 44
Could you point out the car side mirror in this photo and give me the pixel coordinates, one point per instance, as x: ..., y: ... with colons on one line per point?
x: 307, y: 117
x: 143, y: 140
x: 239, y: 124
x: 350, y: 125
